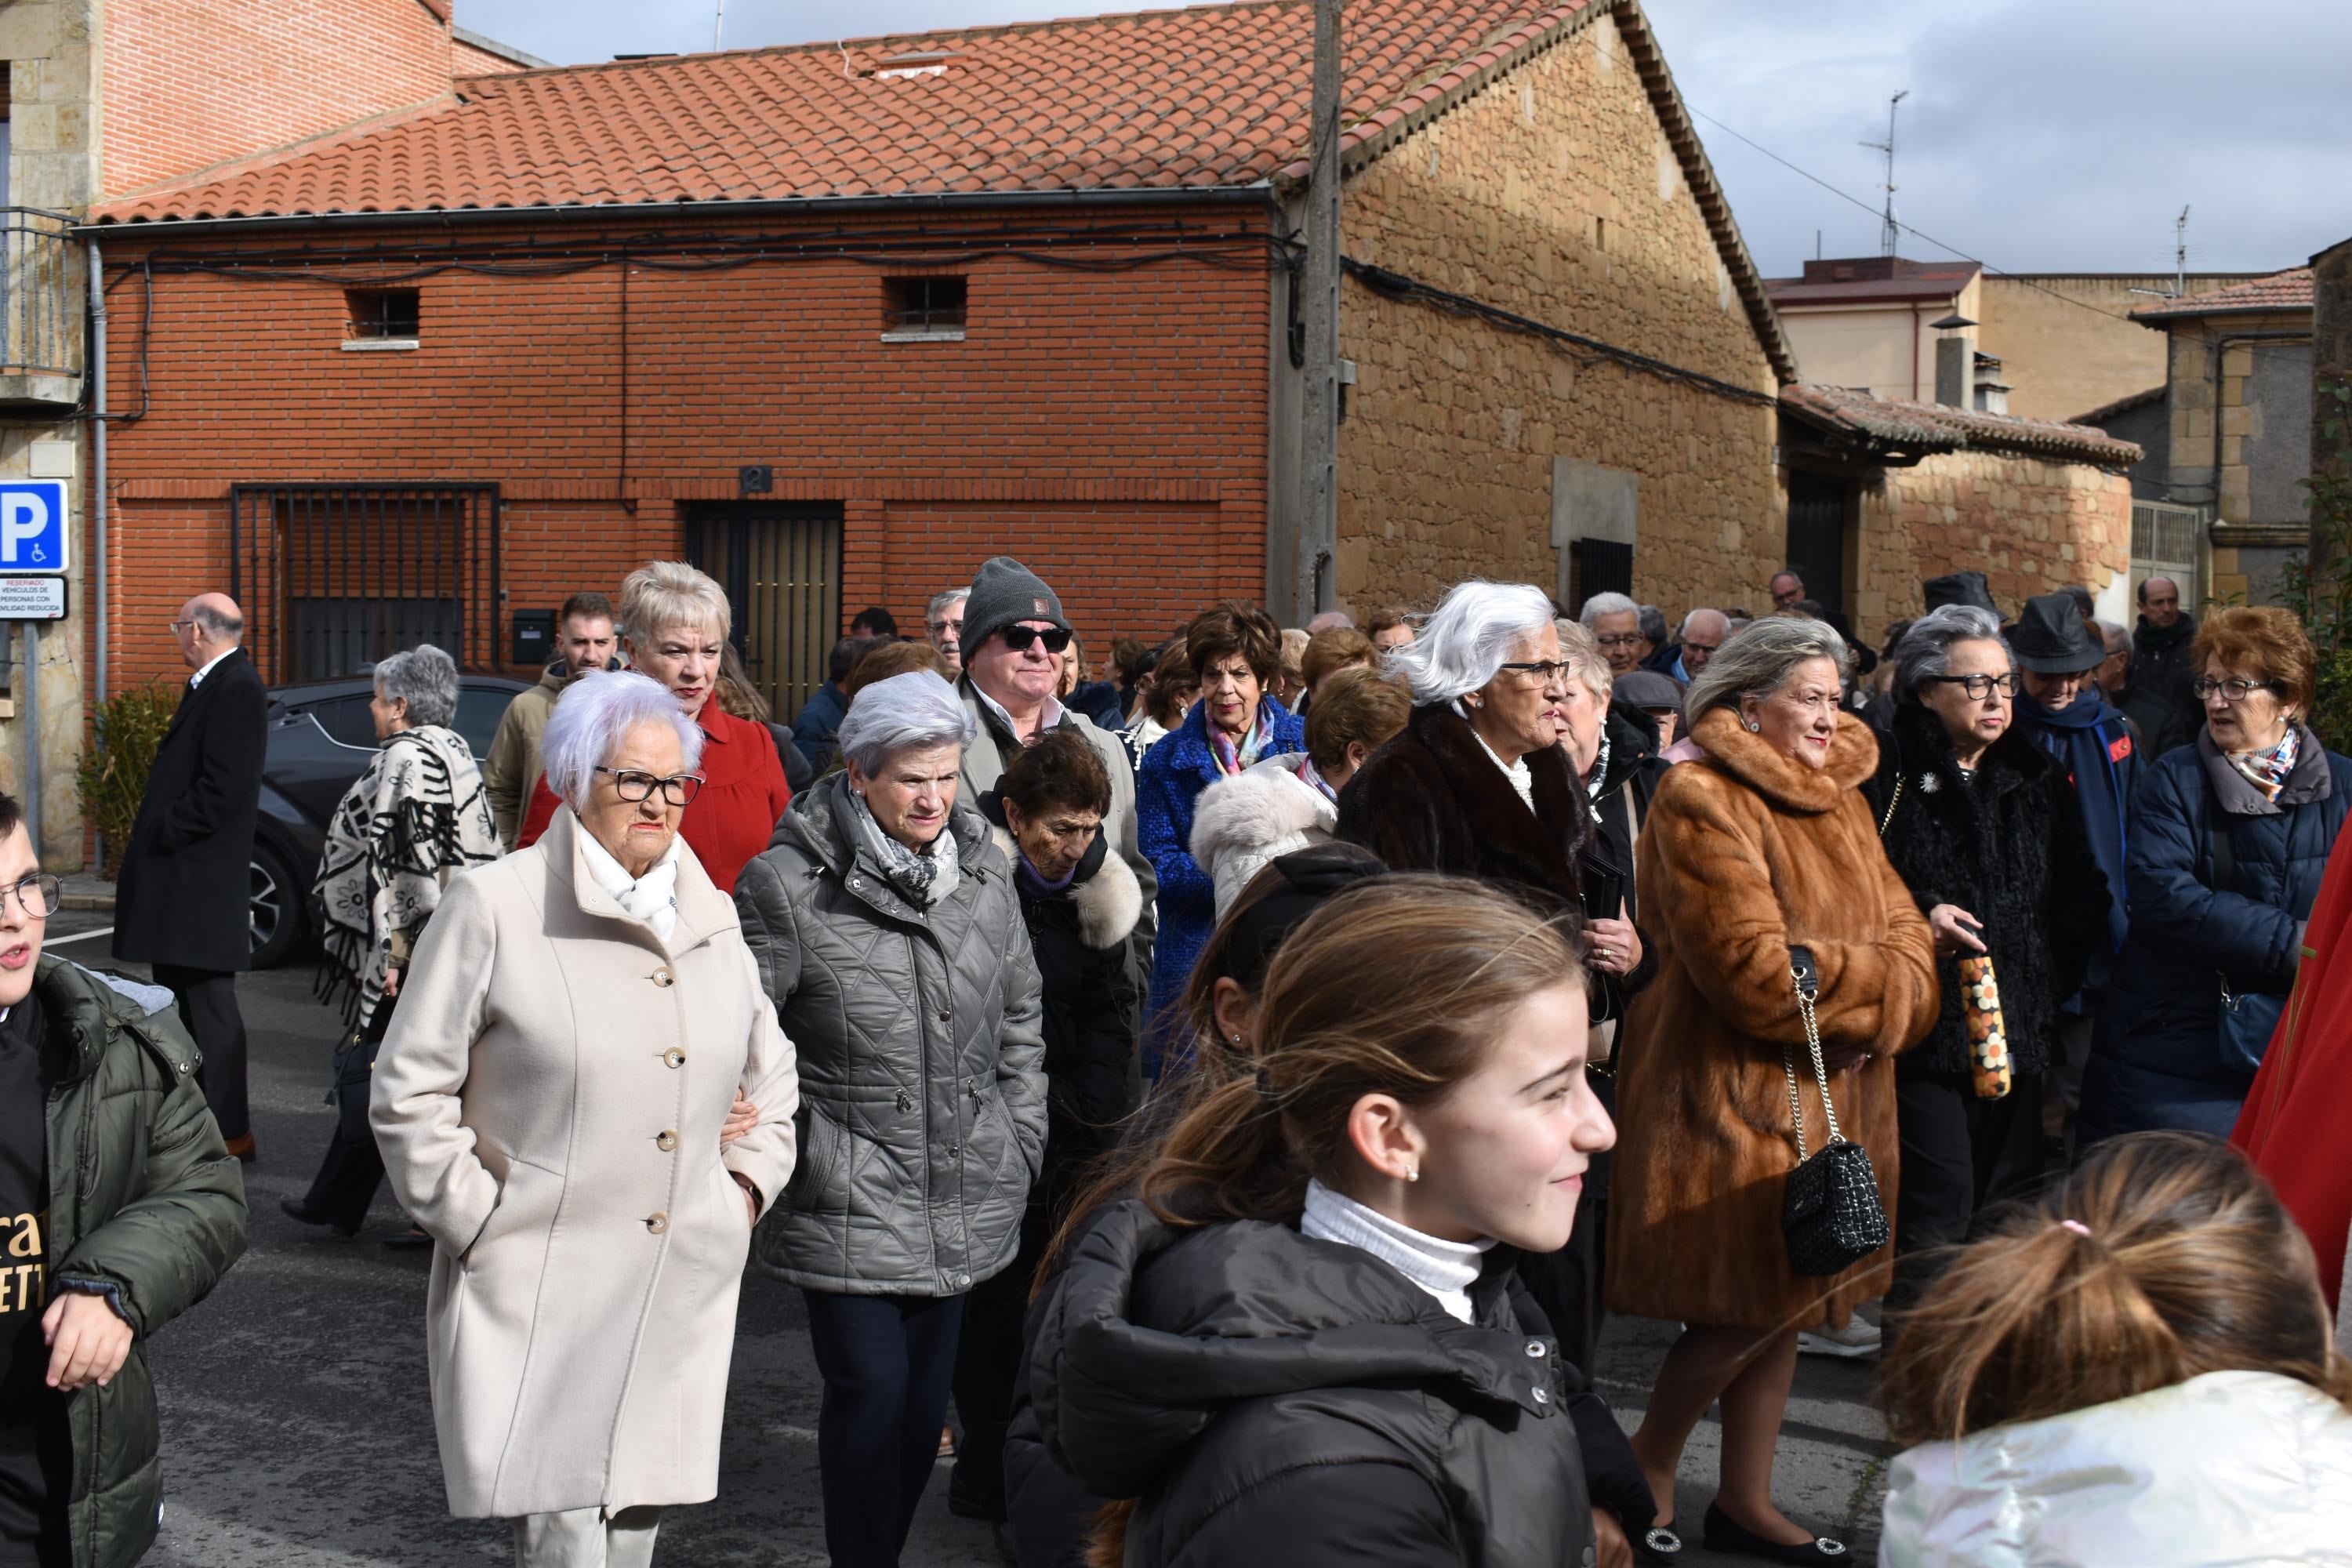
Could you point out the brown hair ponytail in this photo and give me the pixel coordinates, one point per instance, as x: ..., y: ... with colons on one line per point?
x: 2163, y: 1256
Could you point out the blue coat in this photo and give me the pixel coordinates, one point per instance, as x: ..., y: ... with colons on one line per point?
x: 2155, y: 1058
x: 1174, y: 774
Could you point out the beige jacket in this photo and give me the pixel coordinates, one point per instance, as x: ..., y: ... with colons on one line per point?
x: 512, y: 770
x: 548, y: 1101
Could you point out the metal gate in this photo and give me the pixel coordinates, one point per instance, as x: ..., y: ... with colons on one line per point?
x: 341, y: 576
x: 1598, y: 567
x: 2166, y: 540
x: 781, y: 565
x: 1817, y: 536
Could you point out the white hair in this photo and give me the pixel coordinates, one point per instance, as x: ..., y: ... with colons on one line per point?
x: 1924, y: 650
x: 1683, y: 630
x: 1468, y: 638
x: 423, y: 677
x: 591, y: 719
x: 915, y: 710
x: 1601, y: 605
x: 940, y: 601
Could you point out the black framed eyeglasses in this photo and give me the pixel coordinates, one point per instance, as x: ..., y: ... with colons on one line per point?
x: 1018, y: 638
x: 1978, y: 687
x: 2231, y: 691
x: 679, y: 789
x: 1545, y: 671
x: 36, y: 894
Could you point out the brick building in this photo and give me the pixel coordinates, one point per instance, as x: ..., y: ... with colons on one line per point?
x: 840, y: 321
x: 103, y: 98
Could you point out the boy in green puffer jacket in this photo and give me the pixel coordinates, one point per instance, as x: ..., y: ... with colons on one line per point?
x: 120, y: 1208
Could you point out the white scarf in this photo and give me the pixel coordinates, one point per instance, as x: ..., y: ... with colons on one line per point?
x: 650, y: 899
x: 1446, y: 1269
x: 1523, y: 778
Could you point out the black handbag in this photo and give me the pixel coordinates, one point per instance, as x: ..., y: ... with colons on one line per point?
x: 1830, y: 1214
x: 355, y: 1072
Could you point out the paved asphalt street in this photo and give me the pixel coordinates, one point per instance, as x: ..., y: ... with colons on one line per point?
x: 297, y: 1430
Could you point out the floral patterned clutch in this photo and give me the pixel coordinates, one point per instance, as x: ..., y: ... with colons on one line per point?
x: 1988, y: 1036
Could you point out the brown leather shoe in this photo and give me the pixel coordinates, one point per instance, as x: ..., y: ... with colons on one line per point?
x: 242, y: 1147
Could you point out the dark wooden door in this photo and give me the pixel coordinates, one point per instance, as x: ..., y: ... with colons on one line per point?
x: 1817, y: 535
x: 781, y: 565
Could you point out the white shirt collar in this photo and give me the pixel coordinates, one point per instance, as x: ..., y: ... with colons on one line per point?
x: 1049, y: 717
x: 1523, y: 779
x: 1446, y: 1269
x: 198, y: 678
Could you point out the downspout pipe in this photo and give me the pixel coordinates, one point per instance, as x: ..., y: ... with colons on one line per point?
x: 96, y: 570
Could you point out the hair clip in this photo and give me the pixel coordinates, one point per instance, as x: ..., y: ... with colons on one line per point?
x: 2077, y: 1226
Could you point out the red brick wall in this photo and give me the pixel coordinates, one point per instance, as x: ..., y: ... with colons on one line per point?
x: 190, y: 83
x: 1107, y: 427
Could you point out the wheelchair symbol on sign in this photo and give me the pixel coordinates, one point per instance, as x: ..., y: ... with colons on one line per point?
x: 30, y: 535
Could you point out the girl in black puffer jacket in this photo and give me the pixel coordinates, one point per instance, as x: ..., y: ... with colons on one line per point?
x: 1981, y: 826
x: 1300, y: 1343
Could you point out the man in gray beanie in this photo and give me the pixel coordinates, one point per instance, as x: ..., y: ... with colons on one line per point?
x: 1014, y: 634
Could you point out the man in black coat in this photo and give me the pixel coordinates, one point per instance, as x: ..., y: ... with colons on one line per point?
x: 182, y: 902
x: 2163, y: 670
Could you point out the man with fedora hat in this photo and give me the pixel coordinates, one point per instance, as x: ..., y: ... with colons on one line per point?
x: 2062, y: 709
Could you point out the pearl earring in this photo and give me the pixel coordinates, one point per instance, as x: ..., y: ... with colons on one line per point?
x: 1413, y: 1173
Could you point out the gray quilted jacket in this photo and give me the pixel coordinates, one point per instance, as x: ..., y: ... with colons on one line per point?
x: 922, y: 1119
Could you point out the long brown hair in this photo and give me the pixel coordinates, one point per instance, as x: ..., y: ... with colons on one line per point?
x: 2164, y: 1256
x: 1389, y: 988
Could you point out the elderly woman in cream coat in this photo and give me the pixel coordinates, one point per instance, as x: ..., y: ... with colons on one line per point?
x: 577, y: 1024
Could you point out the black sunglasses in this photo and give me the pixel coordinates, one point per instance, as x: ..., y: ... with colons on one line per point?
x: 1018, y: 638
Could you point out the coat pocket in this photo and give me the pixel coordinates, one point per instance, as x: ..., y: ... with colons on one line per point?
x: 820, y: 1140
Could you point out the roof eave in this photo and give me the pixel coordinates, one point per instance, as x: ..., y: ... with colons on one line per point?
x: 1258, y: 191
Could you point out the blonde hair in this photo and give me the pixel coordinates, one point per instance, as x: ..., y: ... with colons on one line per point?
x: 665, y: 594
x: 1581, y: 652
x: 2164, y: 1256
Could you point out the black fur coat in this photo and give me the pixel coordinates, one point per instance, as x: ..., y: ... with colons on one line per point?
x: 2008, y: 848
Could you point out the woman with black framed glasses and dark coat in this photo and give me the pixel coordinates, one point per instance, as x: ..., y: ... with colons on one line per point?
x: 2228, y: 843
x: 1981, y: 824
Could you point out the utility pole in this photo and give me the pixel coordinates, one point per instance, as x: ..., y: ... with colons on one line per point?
x: 1887, y: 231
x: 1319, y: 447
x: 2180, y: 253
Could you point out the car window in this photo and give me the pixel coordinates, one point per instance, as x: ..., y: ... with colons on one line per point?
x: 346, y: 720
x: 480, y: 708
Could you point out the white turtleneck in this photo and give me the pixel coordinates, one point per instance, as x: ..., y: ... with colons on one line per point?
x: 1446, y: 1269
x: 651, y: 898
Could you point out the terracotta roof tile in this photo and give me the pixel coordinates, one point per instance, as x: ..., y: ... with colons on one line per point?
x: 2288, y: 290
x: 1215, y: 95
x: 1939, y: 427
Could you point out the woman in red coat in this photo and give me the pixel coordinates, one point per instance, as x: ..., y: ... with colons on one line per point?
x: 2291, y: 1126
x: 674, y: 624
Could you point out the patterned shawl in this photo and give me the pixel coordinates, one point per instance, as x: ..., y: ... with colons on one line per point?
x: 416, y: 817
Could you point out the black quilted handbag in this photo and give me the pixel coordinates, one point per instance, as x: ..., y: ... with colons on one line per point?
x: 1831, y: 1212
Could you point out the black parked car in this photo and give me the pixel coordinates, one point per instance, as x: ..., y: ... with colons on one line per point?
x: 321, y: 740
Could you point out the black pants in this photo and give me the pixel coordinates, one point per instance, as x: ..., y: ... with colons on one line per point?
x: 348, y: 1177
x: 1568, y: 1284
x: 1960, y: 1154
x: 207, y: 1000
x: 885, y: 1361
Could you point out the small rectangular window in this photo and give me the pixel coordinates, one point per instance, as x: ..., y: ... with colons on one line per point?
x: 922, y: 308
x: 380, y: 314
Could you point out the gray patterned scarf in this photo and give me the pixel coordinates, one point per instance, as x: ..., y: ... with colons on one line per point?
x: 923, y: 879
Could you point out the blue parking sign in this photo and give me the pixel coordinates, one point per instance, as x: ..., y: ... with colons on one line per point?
x: 33, y: 525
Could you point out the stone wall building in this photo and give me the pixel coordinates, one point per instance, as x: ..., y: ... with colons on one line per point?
x: 2237, y: 392
x: 1927, y: 489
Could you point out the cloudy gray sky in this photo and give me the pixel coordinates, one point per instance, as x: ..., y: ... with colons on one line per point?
x: 2039, y: 135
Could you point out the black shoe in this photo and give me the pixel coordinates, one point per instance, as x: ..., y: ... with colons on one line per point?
x: 300, y: 1211
x: 1723, y: 1534
x: 408, y: 1240
x: 1658, y: 1547
x: 967, y: 1501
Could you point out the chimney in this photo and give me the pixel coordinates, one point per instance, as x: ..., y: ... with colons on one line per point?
x: 1954, y: 362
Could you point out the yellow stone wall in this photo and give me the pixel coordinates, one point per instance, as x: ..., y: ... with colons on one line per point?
x: 2031, y: 525
x: 2067, y: 343
x: 1552, y: 194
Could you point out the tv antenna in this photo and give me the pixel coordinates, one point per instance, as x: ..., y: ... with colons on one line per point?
x: 1888, y: 231
x: 2179, y: 261
x: 718, y: 25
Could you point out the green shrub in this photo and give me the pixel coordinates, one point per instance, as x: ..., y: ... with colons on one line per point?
x: 2320, y: 589
x: 125, y: 731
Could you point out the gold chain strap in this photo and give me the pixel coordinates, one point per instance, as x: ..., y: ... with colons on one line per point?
x: 1820, y: 1076
x: 1891, y: 805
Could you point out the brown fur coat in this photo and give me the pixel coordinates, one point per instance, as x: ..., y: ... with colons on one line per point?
x: 1744, y: 853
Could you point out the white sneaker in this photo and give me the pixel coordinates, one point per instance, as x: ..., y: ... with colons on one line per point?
x: 1860, y: 1337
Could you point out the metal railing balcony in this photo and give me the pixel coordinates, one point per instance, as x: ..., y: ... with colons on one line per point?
x: 42, y: 307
